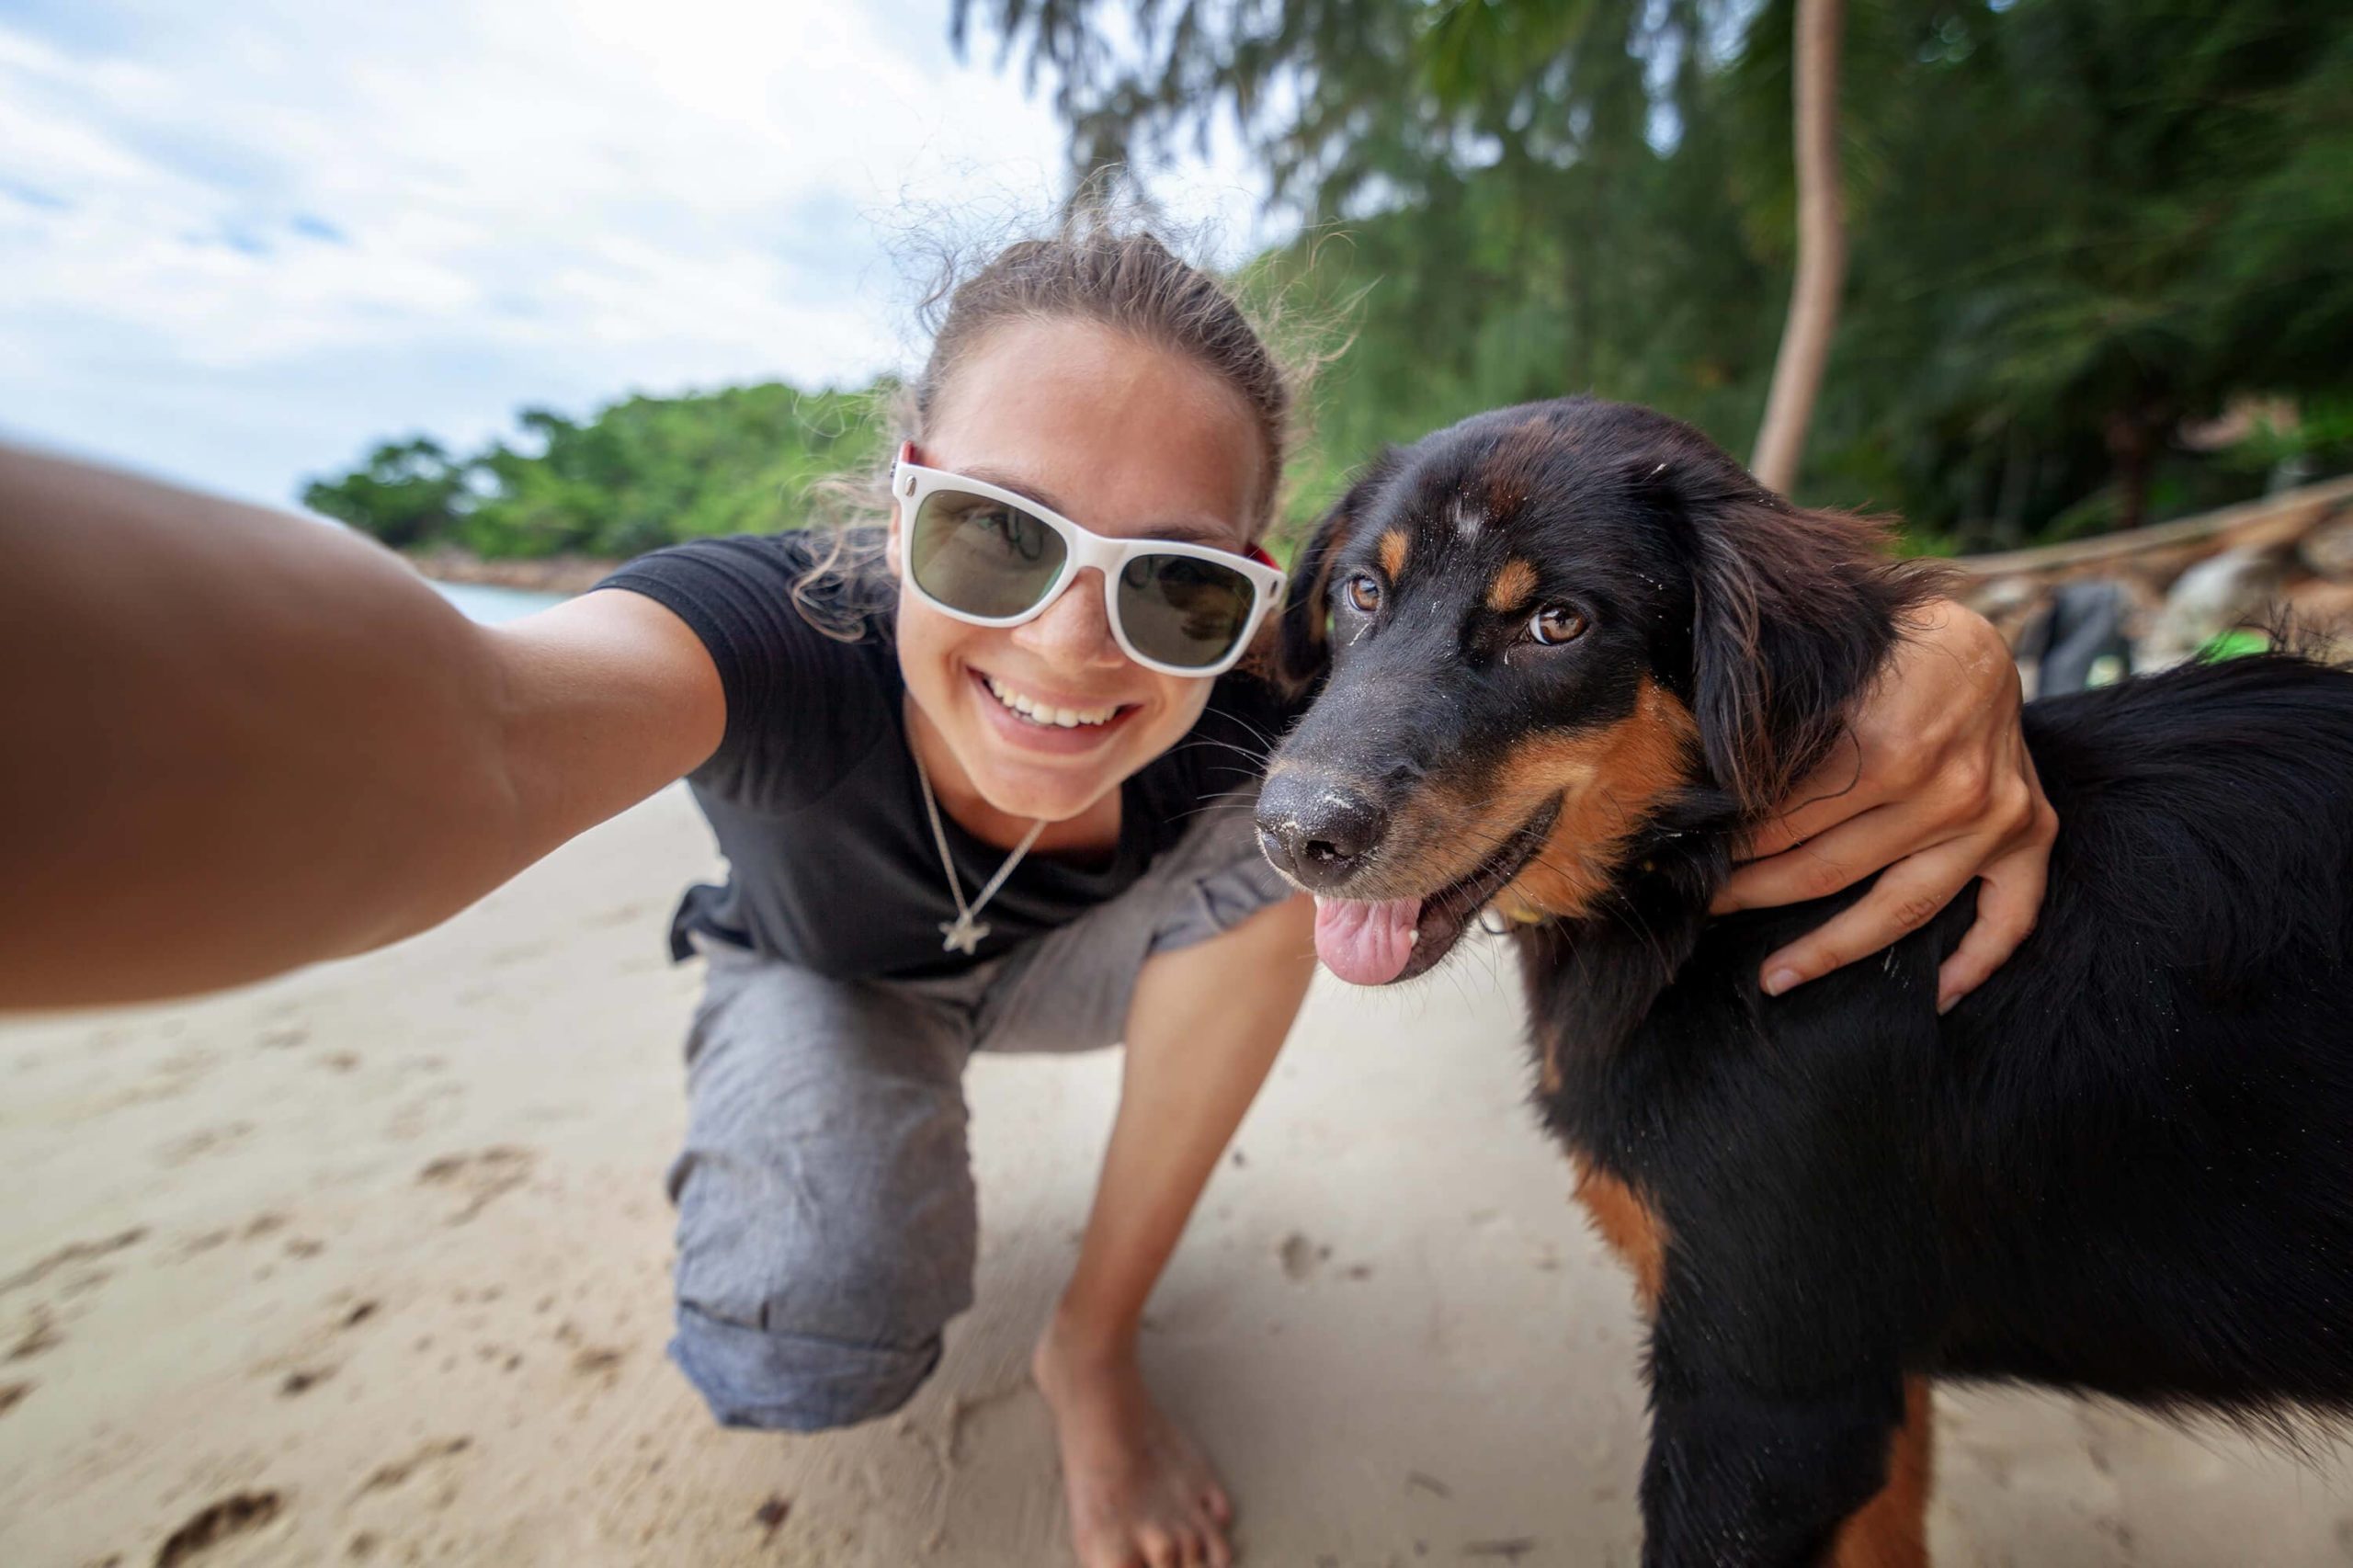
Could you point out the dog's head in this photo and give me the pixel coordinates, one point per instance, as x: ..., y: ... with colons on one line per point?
x: 1546, y: 631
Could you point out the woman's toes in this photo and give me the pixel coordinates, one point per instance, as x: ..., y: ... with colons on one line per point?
x: 1159, y: 1546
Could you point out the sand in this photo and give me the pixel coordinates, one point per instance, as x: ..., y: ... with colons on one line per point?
x: 370, y: 1264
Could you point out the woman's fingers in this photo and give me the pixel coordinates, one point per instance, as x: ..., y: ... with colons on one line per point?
x: 1820, y: 867
x: 1906, y: 897
x: 2007, y: 906
x: 1221, y: 1555
x: 1931, y: 786
x: 2011, y: 854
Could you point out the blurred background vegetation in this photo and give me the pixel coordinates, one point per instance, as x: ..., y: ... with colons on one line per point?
x: 2100, y: 274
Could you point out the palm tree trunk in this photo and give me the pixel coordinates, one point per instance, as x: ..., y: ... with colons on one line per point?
x: 1822, y: 249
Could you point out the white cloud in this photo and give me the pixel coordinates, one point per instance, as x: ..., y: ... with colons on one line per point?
x: 240, y: 241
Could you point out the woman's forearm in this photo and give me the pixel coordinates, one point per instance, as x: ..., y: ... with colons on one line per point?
x: 1203, y: 1029
x: 230, y: 740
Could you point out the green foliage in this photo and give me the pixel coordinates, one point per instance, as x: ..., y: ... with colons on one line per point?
x: 408, y: 493
x: 2075, y: 225
x: 642, y: 474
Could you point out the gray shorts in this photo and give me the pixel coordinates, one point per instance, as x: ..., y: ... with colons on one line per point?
x: 826, y: 1217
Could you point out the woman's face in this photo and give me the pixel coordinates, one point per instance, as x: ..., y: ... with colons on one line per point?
x: 1125, y: 440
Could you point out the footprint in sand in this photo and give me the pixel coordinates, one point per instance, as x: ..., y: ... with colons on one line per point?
x: 483, y: 1177
x: 239, y: 1515
x: 40, y: 1336
x: 399, y: 1471
x: 180, y: 1150
x: 1301, y: 1258
x: 597, y: 1361
x: 71, y: 1254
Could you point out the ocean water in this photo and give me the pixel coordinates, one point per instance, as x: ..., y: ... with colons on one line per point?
x: 491, y: 606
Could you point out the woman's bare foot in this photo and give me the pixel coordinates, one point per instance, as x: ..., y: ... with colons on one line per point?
x: 1140, y: 1496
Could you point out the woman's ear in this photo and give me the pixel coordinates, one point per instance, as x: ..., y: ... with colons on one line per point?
x: 1303, y: 651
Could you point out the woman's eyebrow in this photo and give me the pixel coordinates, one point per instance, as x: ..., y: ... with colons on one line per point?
x: 1211, y: 534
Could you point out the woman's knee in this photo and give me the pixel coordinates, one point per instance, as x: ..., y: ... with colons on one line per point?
x: 776, y: 1380
x: 826, y: 1217
x: 824, y: 1320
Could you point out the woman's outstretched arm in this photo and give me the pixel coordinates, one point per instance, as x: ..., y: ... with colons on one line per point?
x: 234, y: 741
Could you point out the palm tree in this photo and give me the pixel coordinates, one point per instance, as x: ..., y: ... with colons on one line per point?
x: 1822, y: 249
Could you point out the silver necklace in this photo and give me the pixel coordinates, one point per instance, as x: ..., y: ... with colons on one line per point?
x: 966, y: 933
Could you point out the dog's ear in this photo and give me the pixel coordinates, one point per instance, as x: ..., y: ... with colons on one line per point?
x: 1303, y: 651
x: 1793, y: 612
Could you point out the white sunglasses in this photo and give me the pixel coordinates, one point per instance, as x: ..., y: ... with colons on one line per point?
x: 991, y: 557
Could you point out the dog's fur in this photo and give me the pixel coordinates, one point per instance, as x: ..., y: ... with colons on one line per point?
x: 2123, y: 1167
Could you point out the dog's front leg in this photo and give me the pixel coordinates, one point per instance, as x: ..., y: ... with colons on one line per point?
x: 1740, y: 1478
x: 1747, y: 1477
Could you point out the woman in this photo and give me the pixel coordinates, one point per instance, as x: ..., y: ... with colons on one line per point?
x: 987, y: 809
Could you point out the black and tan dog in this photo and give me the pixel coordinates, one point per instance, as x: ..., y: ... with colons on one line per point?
x: 1574, y: 649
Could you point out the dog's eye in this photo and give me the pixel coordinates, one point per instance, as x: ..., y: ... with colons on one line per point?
x: 1554, y: 624
x: 1364, y: 592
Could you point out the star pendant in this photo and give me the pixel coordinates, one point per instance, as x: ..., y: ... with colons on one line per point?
x: 964, y: 934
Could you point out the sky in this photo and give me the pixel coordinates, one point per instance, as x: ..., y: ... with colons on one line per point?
x: 242, y: 241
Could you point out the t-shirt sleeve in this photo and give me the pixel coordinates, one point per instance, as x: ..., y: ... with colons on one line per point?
x: 799, y: 711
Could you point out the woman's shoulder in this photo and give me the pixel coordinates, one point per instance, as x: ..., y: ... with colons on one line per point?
x: 799, y: 586
x: 800, y: 648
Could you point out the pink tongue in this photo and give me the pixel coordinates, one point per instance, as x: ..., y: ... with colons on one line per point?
x: 1366, y: 944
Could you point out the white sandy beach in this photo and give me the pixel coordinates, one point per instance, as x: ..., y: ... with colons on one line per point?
x: 371, y: 1264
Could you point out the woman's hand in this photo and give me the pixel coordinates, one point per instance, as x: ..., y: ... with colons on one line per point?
x: 1933, y: 786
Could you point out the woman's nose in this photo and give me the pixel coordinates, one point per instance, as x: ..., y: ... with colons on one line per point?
x: 1073, y: 632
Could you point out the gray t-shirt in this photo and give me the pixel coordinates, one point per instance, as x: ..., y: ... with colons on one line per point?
x: 813, y: 795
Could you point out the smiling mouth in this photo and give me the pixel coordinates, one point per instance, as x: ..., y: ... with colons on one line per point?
x: 1370, y: 942
x: 1036, y: 710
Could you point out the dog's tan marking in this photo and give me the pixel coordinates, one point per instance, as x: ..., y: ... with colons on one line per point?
x: 1891, y: 1529
x: 1392, y: 554
x: 1505, y: 496
x: 1513, y: 587
x: 1611, y: 780
x: 1633, y: 1229
x: 1518, y: 460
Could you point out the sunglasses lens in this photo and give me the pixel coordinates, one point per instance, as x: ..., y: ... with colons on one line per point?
x: 980, y: 556
x: 1183, y: 610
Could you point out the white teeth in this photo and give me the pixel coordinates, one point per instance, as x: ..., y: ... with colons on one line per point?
x: 1041, y: 713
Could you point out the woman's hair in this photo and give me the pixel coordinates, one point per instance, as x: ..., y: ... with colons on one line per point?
x: 1103, y: 263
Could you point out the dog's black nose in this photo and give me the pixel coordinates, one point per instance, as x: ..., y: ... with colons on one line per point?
x: 1316, y: 830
